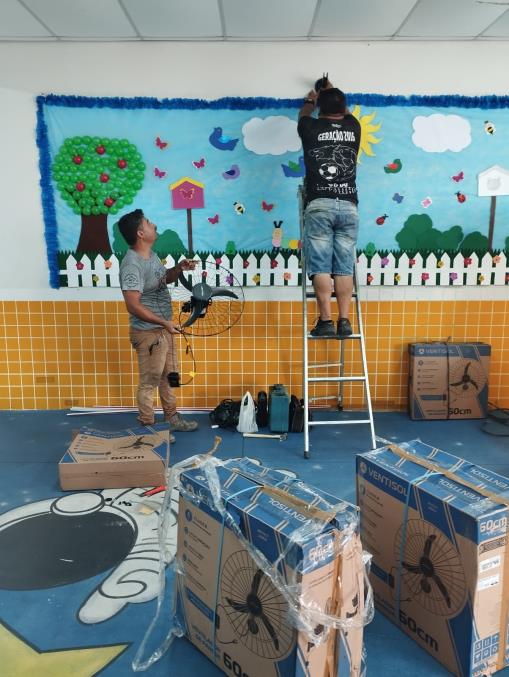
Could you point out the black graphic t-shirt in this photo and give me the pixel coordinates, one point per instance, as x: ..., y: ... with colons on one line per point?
x: 330, y: 156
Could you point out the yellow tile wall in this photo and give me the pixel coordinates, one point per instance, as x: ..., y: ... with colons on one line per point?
x: 57, y: 354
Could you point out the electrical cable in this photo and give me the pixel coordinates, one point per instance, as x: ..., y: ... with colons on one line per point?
x: 189, y: 350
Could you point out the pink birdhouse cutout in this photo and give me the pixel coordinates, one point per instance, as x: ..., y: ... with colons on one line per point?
x: 188, y: 194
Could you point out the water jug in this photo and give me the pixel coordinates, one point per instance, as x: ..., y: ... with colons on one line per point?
x: 279, y: 406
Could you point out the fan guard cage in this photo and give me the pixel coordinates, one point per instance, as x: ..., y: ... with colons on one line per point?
x: 444, y: 592
x: 237, y: 578
x: 222, y: 313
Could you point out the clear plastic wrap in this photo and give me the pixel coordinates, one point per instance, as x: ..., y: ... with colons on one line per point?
x: 339, y: 520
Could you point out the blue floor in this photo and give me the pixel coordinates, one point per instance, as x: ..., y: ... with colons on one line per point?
x: 44, y: 626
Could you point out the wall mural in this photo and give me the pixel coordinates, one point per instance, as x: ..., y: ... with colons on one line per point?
x: 220, y: 179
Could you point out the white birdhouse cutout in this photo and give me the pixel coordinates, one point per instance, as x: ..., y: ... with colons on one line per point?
x: 493, y: 181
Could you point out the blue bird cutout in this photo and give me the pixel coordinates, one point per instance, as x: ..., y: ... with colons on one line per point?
x: 232, y: 173
x: 294, y: 169
x: 221, y: 142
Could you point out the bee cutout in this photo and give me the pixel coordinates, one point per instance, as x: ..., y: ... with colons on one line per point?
x: 489, y: 127
x: 239, y: 208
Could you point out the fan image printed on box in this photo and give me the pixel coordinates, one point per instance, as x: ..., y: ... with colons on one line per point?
x: 230, y: 606
x: 437, y: 528
x: 448, y: 380
x: 134, y: 457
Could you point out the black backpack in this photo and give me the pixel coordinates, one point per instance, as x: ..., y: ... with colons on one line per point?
x: 262, y: 411
x: 226, y: 414
x: 296, y: 415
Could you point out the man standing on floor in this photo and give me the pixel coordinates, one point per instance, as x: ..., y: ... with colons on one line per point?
x: 144, y: 280
x: 331, y: 144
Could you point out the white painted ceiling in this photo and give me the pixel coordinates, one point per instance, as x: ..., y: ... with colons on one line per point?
x: 254, y: 20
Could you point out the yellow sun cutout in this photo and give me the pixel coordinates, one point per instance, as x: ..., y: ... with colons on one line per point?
x: 367, y: 132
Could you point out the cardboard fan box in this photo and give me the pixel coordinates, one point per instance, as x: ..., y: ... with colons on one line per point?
x: 134, y: 457
x: 448, y: 380
x: 231, y: 609
x: 436, y: 526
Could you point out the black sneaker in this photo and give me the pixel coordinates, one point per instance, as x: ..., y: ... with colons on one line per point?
x: 344, y: 327
x: 323, y: 329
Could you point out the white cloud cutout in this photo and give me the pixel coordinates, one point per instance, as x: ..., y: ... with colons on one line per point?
x: 274, y: 135
x: 437, y: 133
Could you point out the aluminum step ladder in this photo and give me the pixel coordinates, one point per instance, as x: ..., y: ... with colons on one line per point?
x: 338, y: 376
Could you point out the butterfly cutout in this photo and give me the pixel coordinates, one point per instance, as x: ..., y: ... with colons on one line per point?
x: 199, y: 164
x: 159, y: 173
x: 161, y: 144
x: 398, y: 198
x: 214, y: 219
x: 459, y: 177
x: 187, y: 193
x: 267, y: 207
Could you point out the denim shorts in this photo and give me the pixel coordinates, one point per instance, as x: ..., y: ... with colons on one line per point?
x: 330, y: 236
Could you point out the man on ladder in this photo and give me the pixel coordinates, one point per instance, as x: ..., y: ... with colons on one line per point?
x: 331, y: 144
x: 329, y: 221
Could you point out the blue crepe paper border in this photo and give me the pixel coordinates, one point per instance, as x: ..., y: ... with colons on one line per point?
x: 232, y: 103
x: 47, y: 196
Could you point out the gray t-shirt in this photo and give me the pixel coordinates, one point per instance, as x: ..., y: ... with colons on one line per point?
x: 147, y: 276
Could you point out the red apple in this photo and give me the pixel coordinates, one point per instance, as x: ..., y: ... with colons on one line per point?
x: 80, y: 186
x: 122, y: 163
x: 104, y: 178
x: 77, y: 159
x: 100, y: 150
x: 109, y: 202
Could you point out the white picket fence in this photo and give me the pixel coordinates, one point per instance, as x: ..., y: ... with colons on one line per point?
x: 277, y: 271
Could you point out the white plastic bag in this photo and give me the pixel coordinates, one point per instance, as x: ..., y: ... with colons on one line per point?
x: 247, y: 415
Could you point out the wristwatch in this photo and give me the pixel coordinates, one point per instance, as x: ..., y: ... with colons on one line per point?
x: 308, y: 100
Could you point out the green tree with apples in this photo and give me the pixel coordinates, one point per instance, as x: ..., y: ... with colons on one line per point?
x: 96, y: 177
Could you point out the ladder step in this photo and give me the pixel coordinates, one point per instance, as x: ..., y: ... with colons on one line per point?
x: 334, y: 338
x: 335, y: 379
x: 325, y: 366
x: 323, y: 397
x: 360, y: 420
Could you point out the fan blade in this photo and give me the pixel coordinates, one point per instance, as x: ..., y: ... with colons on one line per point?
x: 411, y: 568
x: 442, y: 588
x: 474, y: 384
x: 427, y: 546
x: 198, y: 308
x: 241, y: 607
x: 465, y: 373
x: 252, y: 625
x: 459, y: 383
x: 185, y: 282
x: 221, y: 291
x: 255, y: 584
x: 270, y: 630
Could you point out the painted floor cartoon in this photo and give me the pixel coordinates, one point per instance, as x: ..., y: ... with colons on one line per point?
x: 79, y: 570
